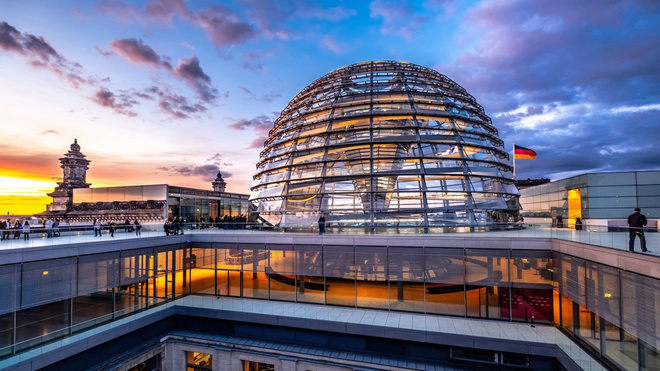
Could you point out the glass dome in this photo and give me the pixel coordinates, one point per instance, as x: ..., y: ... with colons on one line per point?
x: 384, y: 146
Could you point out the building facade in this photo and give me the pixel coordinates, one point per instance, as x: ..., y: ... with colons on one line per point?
x: 74, y: 167
x: 153, y: 204
x: 381, y: 145
x: 598, y: 199
x: 75, y: 202
x: 299, y: 302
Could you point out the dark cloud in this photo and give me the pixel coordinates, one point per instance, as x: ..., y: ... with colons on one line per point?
x: 223, y: 27
x: 119, y: 103
x: 190, y: 71
x: 261, y: 126
x: 178, y: 106
x: 554, y: 76
x: 40, y: 54
x: 136, y: 52
x: 217, y: 159
x: 187, y: 70
x: 207, y: 172
x: 164, y: 10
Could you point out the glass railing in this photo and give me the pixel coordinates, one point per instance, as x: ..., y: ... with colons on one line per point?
x: 605, y: 236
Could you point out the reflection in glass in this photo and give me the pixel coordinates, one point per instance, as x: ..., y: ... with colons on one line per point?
x: 403, y: 148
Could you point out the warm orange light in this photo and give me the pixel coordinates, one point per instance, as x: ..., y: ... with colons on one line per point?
x: 45, y: 273
x: 574, y: 205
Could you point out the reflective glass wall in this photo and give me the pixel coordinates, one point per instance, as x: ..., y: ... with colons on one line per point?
x: 613, y: 312
x: 384, y: 144
x: 593, y: 196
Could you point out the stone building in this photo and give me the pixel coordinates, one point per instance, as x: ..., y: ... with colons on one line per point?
x: 75, y: 202
x: 74, y: 166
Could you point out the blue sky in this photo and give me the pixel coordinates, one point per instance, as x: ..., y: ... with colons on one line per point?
x: 168, y: 91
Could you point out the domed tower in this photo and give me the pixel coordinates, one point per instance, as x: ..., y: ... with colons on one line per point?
x: 219, y: 184
x: 74, y: 166
x: 384, y: 144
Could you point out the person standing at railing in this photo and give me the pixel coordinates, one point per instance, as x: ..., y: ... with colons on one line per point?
x: 3, y: 233
x: 26, y: 231
x: 137, y: 227
x: 321, y: 224
x: 578, y: 224
x: 17, y: 229
x: 49, y: 228
x: 636, y: 223
x: 97, y: 227
x: 111, y: 227
x: 56, y: 228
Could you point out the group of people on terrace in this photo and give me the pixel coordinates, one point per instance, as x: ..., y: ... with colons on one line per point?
x: 112, y: 226
x: 175, y: 226
x: 18, y: 228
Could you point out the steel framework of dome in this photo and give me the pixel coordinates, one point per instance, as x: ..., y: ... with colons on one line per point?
x: 384, y: 144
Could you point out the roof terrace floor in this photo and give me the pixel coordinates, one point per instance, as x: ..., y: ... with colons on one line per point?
x: 599, y: 238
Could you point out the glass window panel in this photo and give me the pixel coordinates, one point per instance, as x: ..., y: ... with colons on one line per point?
x: 613, y: 202
x: 281, y: 273
x: 588, y: 327
x: 133, y: 194
x: 406, y: 275
x: 47, y: 280
x: 202, y: 275
x: 309, y: 267
x: 371, y: 272
x: 154, y: 192
x: 100, y: 272
x: 116, y: 194
x: 198, y: 361
x: 445, y: 281
x: 99, y: 195
x: 356, y: 124
x: 339, y: 262
x: 527, y: 304
x: 135, y: 266
x: 531, y: 267
x: 82, y: 195
x: 92, y: 309
x: 42, y: 323
x: 611, y: 179
x: 620, y: 347
x: 648, y: 177
x: 9, y: 284
x: 255, y: 260
x: 6, y: 333
x: 613, y: 191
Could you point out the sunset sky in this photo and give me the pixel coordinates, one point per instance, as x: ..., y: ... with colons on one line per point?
x: 169, y: 91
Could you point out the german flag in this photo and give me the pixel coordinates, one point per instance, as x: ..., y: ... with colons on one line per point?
x: 523, y: 153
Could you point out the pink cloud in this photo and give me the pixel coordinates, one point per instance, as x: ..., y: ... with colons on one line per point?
x: 136, y: 52
x: 261, y: 126
x: 119, y: 103
x: 40, y: 54
x: 223, y: 27
x: 190, y: 71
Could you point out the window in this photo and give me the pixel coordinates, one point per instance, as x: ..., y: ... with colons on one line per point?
x: 198, y: 361
x: 257, y: 366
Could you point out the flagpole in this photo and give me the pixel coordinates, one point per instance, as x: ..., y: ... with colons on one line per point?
x: 514, y: 161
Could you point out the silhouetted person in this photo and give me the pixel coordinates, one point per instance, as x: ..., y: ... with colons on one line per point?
x: 578, y: 224
x: 321, y: 224
x: 636, y: 223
